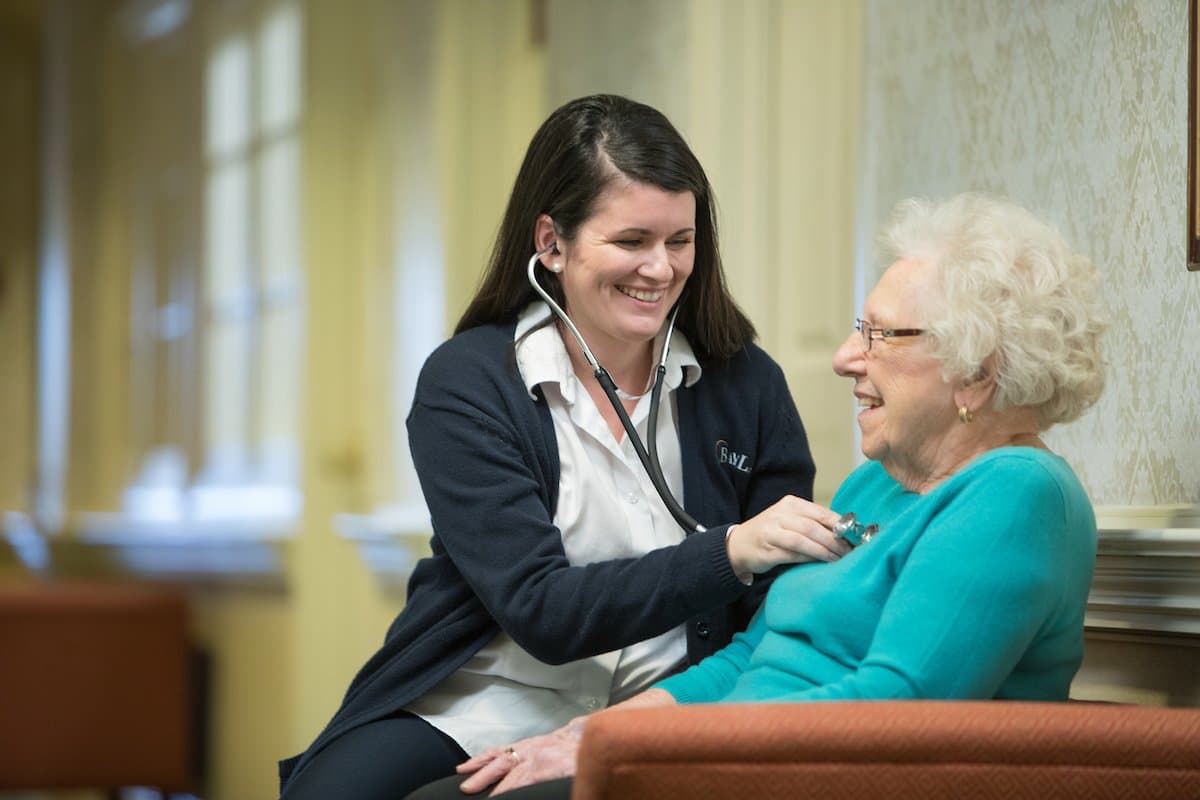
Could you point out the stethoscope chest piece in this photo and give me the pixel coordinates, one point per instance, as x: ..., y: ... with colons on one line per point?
x: 850, y: 530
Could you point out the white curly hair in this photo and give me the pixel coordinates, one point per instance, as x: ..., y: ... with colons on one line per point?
x: 1012, y: 291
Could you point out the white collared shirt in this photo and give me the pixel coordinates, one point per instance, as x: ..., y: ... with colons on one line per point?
x: 607, y: 508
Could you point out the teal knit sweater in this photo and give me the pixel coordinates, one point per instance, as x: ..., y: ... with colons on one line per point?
x: 974, y: 590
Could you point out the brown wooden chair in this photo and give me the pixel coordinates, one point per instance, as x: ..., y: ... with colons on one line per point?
x: 96, y: 688
x: 895, y: 750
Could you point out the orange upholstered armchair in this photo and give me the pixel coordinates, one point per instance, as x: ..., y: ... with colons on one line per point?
x: 927, y: 750
x: 96, y: 687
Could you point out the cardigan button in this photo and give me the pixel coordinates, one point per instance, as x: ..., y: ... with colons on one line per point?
x: 703, y: 630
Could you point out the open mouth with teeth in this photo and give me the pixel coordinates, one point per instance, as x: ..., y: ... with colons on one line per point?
x: 868, y: 403
x: 644, y: 295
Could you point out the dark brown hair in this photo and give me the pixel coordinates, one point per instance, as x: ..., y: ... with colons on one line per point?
x: 573, y: 157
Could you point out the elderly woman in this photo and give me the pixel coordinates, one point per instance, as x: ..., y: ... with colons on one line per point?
x: 975, y: 541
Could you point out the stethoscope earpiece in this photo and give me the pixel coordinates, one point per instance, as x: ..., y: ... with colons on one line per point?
x: 554, y: 266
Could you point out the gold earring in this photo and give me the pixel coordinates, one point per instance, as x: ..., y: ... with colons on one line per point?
x: 965, y: 415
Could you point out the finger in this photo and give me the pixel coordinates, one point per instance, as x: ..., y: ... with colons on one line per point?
x: 808, y: 545
x: 488, y: 775
x: 798, y: 506
x: 826, y: 516
x: 513, y: 780
x: 826, y: 536
x: 829, y: 540
x: 479, y: 760
x: 495, y: 770
x: 841, y: 546
x: 818, y: 525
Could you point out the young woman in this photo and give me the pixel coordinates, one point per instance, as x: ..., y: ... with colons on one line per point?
x: 560, y: 582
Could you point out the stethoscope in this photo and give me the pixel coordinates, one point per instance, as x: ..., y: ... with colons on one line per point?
x: 647, y: 453
x: 850, y: 530
x: 847, y: 528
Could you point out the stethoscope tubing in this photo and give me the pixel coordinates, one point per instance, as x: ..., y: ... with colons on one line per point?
x: 647, y: 453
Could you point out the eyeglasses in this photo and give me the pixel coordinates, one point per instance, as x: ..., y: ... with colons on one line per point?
x: 869, y: 333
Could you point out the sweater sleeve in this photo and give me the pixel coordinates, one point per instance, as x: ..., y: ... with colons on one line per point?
x: 714, y: 677
x: 487, y: 501
x: 979, y: 585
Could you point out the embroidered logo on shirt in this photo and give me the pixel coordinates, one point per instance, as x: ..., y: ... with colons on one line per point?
x: 736, y: 460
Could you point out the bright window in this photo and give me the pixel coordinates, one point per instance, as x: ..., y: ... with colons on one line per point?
x: 242, y: 456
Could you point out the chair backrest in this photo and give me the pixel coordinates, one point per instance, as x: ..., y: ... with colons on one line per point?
x: 96, y: 687
x: 914, y: 749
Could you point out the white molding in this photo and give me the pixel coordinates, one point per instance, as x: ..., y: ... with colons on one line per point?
x: 1178, y: 515
x: 1147, y: 578
x: 216, y: 551
x: 389, y: 541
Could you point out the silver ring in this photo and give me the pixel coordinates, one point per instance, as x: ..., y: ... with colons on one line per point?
x: 516, y: 758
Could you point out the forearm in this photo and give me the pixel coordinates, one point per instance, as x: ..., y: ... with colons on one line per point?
x: 651, y: 698
x: 490, y: 513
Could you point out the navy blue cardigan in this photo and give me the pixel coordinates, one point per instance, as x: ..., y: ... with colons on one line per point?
x: 488, y: 464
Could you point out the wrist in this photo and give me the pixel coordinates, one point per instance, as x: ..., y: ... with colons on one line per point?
x: 745, y: 576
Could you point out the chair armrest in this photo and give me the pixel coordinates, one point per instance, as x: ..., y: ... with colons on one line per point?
x: 912, y: 749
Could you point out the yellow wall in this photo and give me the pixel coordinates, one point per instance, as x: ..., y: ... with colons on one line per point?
x: 19, y: 80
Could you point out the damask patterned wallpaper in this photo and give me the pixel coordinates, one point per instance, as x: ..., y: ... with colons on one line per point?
x: 1076, y: 109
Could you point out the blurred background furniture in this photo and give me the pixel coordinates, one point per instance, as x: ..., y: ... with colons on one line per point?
x: 96, y: 687
x: 898, y: 750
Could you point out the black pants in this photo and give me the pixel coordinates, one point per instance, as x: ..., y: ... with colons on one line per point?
x: 447, y: 789
x: 382, y: 760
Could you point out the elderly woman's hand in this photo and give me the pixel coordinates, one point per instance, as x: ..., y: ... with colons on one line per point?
x: 532, y: 760
x: 791, y: 531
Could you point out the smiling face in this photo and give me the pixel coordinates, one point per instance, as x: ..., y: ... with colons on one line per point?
x: 908, y: 413
x: 627, y: 265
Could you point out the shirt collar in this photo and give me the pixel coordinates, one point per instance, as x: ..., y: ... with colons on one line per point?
x: 542, y: 356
